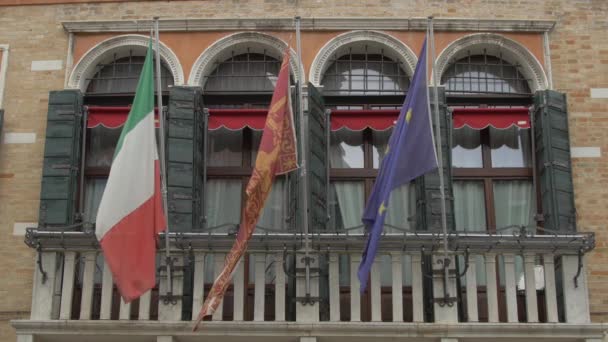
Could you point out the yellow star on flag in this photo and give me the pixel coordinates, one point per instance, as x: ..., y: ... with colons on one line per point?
x: 408, y: 116
x: 382, y: 208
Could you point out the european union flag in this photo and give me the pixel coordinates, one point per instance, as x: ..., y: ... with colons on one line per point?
x: 410, y: 153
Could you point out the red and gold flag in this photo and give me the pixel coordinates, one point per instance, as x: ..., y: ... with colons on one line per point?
x: 277, y: 155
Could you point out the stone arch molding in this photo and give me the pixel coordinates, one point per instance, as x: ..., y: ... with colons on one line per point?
x: 395, y: 49
x: 120, y: 45
x: 240, y: 43
x: 512, y: 52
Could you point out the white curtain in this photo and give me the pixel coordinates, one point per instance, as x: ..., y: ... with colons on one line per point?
x: 514, y: 203
x: 401, y: 208
x: 274, y: 213
x: 466, y: 150
x: 469, y: 206
x: 223, y: 203
x: 92, y: 197
x: 346, y: 205
x: 511, y: 147
x: 346, y: 149
x: 225, y: 148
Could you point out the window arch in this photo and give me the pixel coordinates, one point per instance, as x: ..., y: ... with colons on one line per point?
x: 484, y: 74
x: 367, y: 72
x: 121, y: 74
x: 248, y: 72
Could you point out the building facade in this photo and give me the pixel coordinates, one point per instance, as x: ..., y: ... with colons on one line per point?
x: 522, y: 97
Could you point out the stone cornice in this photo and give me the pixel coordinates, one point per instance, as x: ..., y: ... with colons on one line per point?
x: 278, y: 331
x: 316, y: 24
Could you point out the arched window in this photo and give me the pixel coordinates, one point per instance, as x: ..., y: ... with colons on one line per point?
x: 243, y: 84
x: 247, y: 72
x: 364, y: 74
x: 484, y: 74
x: 120, y: 76
x: 361, y: 84
x: 109, y: 93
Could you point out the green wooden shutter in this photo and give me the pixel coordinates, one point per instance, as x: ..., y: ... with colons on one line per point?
x: 294, y: 216
x: 62, y: 151
x: 186, y: 135
x: 553, y: 160
x: 428, y: 209
x: 1, y: 120
x: 318, y: 125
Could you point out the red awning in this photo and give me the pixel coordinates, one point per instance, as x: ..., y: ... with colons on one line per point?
x: 238, y: 118
x: 357, y: 120
x: 501, y: 118
x: 111, y: 117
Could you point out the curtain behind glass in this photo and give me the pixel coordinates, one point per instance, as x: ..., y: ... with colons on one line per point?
x: 513, y: 200
x: 466, y: 150
x: 274, y: 212
x: 469, y: 206
x: 401, y: 208
x: 225, y: 148
x: 101, y: 145
x: 92, y: 197
x: 346, y: 149
x: 223, y: 204
x: 511, y: 147
x: 346, y: 206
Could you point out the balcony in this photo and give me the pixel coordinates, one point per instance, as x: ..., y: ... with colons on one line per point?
x: 511, y: 287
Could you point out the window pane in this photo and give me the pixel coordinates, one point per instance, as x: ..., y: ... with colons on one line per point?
x: 225, y: 147
x: 466, y: 150
x: 510, y: 147
x: 92, y: 197
x: 273, y: 215
x: 346, y: 206
x: 469, y: 206
x: 401, y: 209
x: 380, y: 142
x: 346, y: 150
x: 101, y: 146
x: 223, y: 204
x: 514, y: 203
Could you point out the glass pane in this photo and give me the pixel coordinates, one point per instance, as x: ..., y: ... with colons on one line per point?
x: 514, y: 203
x: 346, y: 206
x: 101, y: 146
x: 92, y: 197
x: 380, y: 142
x: 249, y: 72
x: 401, y: 211
x: 466, y: 150
x: 225, y: 148
x: 510, y: 147
x: 274, y: 212
x: 223, y: 204
x: 469, y: 206
x: 346, y: 149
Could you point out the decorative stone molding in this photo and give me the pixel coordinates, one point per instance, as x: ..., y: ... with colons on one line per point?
x: 512, y: 52
x: 120, y: 45
x: 3, y: 69
x: 313, y: 24
x: 395, y: 49
x: 238, y: 43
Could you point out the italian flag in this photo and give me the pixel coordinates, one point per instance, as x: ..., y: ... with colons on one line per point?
x: 130, y: 214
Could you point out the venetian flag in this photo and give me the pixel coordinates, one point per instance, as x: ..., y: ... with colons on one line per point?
x: 130, y: 213
x: 276, y: 155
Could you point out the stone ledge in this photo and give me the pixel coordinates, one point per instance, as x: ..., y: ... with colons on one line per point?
x: 313, y: 24
x: 269, y: 331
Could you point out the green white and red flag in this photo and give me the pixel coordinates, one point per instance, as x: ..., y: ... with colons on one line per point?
x: 131, y: 214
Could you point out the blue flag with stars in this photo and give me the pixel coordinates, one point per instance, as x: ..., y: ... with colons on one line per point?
x: 410, y: 153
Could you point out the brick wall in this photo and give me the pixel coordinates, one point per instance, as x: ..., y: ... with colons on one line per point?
x: 579, y: 58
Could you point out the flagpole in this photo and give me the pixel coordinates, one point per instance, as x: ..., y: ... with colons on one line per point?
x: 161, y: 118
x: 439, y: 144
x: 303, y: 175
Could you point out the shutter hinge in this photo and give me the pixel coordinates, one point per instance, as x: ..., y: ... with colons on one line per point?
x: 557, y: 163
x: 64, y: 167
x: 181, y: 196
